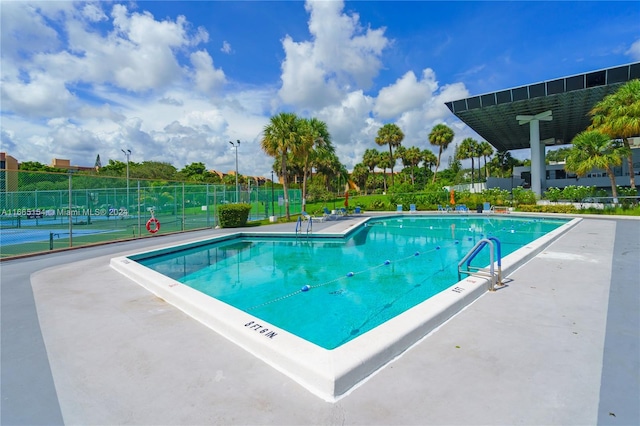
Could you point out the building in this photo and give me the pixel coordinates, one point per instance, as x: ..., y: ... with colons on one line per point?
x: 557, y: 177
x: 8, y: 173
x: 541, y: 114
x: 61, y: 163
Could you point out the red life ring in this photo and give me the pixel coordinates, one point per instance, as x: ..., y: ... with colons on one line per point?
x: 156, y: 223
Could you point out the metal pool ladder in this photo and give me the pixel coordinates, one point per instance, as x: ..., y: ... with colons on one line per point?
x: 494, y: 274
x: 300, y: 225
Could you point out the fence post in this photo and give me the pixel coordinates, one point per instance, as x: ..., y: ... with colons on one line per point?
x: 182, y: 206
x: 138, y: 203
x: 69, y: 213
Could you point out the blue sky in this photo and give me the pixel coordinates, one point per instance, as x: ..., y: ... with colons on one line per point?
x: 175, y: 81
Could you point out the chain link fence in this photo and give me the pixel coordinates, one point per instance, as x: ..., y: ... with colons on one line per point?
x: 47, y: 211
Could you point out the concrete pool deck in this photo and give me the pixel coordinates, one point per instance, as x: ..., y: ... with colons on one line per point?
x: 82, y: 344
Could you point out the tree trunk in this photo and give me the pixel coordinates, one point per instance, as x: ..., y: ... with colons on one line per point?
x: 384, y: 179
x: 285, y: 188
x: 632, y: 176
x: 304, y: 187
x: 391, y: 160
x: 472, y: 172
x: 612, y: 178
x: 437, y: 165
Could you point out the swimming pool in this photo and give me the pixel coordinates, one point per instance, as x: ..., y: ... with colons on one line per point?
x: 342, y: 306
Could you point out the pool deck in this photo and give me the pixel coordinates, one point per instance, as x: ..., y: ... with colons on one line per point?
x: 559, y: 345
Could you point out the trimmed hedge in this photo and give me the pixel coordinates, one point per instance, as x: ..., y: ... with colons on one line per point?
x: 233, y: 215
x: 548, y: 208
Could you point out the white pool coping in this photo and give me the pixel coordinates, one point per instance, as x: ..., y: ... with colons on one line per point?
x: 329, y: 374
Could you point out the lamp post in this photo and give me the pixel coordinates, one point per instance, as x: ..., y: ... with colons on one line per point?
x: 236, y: 145
x: 127, y: 154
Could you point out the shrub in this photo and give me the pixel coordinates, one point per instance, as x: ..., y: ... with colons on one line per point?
x: 377, y: 205
x: 233, y: 215
x: 577, y: 193
x: 317, y: 192
x: 548, y: 208
x: 552, y: 194
x: 405, y: 199
x: 435, y: 194
x: 401, y: 188
x: 497, y: 196
x: 523, y: 196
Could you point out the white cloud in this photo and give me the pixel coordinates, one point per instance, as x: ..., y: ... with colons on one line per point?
x: 304, y: 83
x: 407, y: 93
x: 634, y: 50
x: 98, y: 78
x: 341, y: 56
x: 42, y: 95
x: 350, y: 126
x: 93, y: 12
x: 207, y: 78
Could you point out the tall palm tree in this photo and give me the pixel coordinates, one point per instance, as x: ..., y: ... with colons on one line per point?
x: 330, y: 167
x: 371, y: 158
x: 401, y: 154
x: 359, y: 175
x: 468, y: 149
x: 412, y: 158
x: 486, y: 150
x: 505, y: 162
x: 595, y: 150
x: 618, y: 115
x: 441, y: 136
x: 279, y: 139
x: 429, y: 159
x: 384, y: 162
x: 313, y: 134
x: 390, y: 134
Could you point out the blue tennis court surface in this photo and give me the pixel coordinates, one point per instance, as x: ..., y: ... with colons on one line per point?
x: 21, y: 236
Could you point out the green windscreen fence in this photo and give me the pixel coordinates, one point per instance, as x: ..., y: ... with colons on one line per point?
x: 48, y: 211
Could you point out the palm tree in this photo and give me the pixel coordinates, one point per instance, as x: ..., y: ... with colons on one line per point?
x: 371, y: 158
x: 384, y: 162
x: 505, y: 162
x: 618, y: 116
x: 595, y: 150
x: 468, y: 149
x: 329, y: 166
x: 486, y: 150
x: 359, y: 175
x: 390, y: 134
x: 312, y: 134
x: 279, y: 139
x: 429, y: 159
x: 441, y: 136
x: 412, y: 158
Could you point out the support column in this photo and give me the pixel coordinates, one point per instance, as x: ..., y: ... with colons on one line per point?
x: 543, y: 167
x: 538, y: 168
x: 534, y: 144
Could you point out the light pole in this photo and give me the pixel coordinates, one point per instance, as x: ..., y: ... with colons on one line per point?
x: 127, y: 154
x: 236, y: 145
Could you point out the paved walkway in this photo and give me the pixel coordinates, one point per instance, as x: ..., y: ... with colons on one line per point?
x: 559, y: 345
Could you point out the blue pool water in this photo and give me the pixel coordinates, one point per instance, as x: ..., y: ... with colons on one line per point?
x: 331, y: 290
